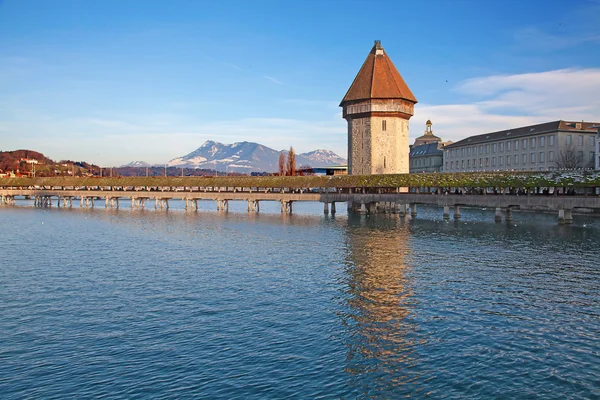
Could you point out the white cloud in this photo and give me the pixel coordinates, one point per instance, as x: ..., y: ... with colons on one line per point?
x: 274, y: 80
x: 492, y: 103
x: 507, y: 101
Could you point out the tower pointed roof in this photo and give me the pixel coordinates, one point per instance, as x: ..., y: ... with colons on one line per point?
x: 378, y: 78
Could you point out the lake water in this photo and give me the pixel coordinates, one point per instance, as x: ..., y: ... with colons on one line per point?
x: 156, y: 304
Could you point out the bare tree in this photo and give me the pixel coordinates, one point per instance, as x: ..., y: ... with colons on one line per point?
x: 282, y: 164
x: 291, y: 164
x: 569, y: 158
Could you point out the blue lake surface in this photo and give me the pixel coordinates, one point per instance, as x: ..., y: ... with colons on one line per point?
x: 174, y: 304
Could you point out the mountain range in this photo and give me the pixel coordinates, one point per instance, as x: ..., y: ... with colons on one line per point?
x: 245, y: 157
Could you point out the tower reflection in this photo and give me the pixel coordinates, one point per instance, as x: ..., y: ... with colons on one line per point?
x: 380, y: 304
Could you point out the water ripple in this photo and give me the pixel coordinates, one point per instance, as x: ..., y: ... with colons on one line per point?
x: 137, y: 304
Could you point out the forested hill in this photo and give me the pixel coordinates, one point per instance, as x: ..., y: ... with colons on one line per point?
x: 13, y: 160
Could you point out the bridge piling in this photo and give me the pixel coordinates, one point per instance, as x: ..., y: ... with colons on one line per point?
x: 325, y: 208
x: 498, y: 215
x: 561, y: 216
x: 333, y: 207
x: 363, y: 208
x: 508, y: 215
x: 446, y: 212
x: 402, y: 210
x: 413, y: 210
x: 568, y: 216
x: 457, y: 212
x: 565, y: 216
x: 286, y: 206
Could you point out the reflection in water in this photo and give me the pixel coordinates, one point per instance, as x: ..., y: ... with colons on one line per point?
x: 175, y: 304
x: 380, y: 299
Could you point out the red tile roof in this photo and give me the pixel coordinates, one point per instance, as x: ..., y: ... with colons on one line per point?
x: 378, y: 78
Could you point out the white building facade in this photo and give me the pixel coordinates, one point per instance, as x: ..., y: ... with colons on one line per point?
x: 542, y: 147
x: 597, y: 166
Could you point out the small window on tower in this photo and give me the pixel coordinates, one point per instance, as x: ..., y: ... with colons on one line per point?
x: 383, y: 125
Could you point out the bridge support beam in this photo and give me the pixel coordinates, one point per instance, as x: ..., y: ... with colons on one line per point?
x: 402, y: 210
x: 508, y: 215
x: 140, y: 202
x: 333, y: 207
x: 325, y: 208
x: 568, y: 216
x: 8, y: 200
x: 222, y: 205
x: 253, y: 205
x: 413, y: 210
x: 286, y: 207
x: 86, y: 202
x: 191, y: 204
x: 372, y: 207
x: 446, y: 212
x: 363, y: 208
x: 561, y: 216
x: 498, y: 215
x: 457, y: 212
x: 565, y: 216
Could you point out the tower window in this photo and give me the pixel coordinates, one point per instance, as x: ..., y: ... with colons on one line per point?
x: 383, y: 125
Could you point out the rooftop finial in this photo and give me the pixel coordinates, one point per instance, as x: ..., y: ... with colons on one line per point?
x: 378, y: 44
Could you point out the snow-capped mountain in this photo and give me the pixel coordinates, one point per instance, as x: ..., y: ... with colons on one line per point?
x: 248, y: 157
x: 322, y: 158
x: 137, y: 164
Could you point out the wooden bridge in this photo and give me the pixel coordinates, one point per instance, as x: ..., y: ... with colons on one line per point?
x: 372, y: 198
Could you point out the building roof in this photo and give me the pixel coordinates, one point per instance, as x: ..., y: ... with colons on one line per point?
x: 429, y: 149
x: 378, y: 78
x: 427, y: 138
x: 523, y: 131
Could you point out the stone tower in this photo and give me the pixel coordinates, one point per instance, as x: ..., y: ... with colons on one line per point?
x: 377, y: 107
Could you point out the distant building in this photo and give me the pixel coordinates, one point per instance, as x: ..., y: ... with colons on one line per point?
x: 331, y: 170
x: 551, y: 145
x: 377, y: 107
x: 597, y: 147
x: 426, y: 154
x: 428, y: 136
x: 426, y: 158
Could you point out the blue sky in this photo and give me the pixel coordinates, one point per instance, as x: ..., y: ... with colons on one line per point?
x: 116, y: 81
